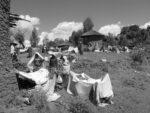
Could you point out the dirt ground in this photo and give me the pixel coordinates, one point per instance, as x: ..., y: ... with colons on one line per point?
x: 131, y: 88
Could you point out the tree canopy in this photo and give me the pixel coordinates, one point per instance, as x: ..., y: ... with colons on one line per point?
x: 87, y: 24
x: 34, y: 38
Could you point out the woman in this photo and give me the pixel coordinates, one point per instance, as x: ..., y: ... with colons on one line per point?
x: 35, y: 62
x: 43, y: 81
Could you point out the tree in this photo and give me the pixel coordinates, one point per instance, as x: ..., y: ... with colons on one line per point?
x: 19, y: 36
x: 45, y: 40
x: 74, y: 38
x: 111, y: 40
x: 148, y: 35
x: 34, y: 38
x: 50, y: 44
x: 123, y: 41
x: 131, y: 36
x: 59, y: 41
x: 8, y: 82
x: 87, y: 25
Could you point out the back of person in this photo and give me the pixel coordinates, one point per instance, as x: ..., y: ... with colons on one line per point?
x: 53, y: 64
x: 53, y: 61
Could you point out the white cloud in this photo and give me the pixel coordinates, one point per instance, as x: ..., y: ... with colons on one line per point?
x: 145, y: 25
x: 34, y: 21
x: 25, y: 26
x: 42, y: 36
x: 62, y: 31
x: 114, y: 29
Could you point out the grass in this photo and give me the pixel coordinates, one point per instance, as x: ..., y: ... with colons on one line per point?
x: 80, y: 106
x: 40, y: 103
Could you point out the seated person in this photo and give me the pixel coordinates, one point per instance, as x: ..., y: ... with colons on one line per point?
x: 35, y: 62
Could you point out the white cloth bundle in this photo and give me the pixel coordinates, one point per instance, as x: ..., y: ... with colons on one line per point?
x: 84, y: 83
x: 44, y: 84
x: 40, y: 76
x: 104, y: 87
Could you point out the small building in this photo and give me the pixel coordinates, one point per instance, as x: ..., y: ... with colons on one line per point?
x: 92, y: 40
x: 64, y: 46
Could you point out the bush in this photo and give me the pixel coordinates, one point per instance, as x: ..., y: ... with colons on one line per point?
x: 81, y: 106
x: 40, y: 103
x: 137, y: 57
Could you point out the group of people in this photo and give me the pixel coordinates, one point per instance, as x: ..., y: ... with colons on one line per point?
x: 54, y: 73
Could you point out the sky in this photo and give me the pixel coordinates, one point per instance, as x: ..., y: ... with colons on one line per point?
x: 53, y: 14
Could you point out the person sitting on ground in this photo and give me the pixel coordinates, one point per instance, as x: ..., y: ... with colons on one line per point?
x: 43, y: 81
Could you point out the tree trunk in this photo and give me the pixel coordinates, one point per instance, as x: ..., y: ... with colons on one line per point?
x: 8, y: 82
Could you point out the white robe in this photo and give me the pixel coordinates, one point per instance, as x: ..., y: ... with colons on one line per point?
x: 44, y: 84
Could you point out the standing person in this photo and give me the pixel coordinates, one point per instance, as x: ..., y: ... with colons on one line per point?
x: 53, y: 63
x: 80, y: 47
x: 54, y: 68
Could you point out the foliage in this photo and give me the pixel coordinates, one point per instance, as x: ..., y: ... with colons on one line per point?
x: 132, y: 36
x: 38, y: 99
x: 80, y: 107
x: 74, y: 38
x: 137, y: 57
x: 50, y: 44
x: 45, y: 40
x: 34, y: 38
x: 111, y: 40
x: 88, y: 24
x: 59, y: 41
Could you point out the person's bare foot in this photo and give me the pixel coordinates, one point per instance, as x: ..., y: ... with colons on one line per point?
x: 68, y: 91
x: 102, y: 104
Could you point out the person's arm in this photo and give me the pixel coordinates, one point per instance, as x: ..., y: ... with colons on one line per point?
x: 23, y: 74
x: 29, y: 64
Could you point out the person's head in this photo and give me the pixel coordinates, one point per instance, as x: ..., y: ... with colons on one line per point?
x: 62, y: 59
x: 38, y: 61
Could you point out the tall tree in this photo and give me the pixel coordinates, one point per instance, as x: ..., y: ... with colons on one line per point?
x: 8, y: 82
x: 88, y: 24
x: 45, y: 40
x: 131, y: 35
x: 74, y: 38
x: 34, y: 38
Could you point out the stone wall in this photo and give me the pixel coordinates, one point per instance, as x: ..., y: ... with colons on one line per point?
x: 7, y: 79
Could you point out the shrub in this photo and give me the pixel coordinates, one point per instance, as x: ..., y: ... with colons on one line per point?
x: 137, y: 59
x: 80, y: 106
x: 137, y: 56
x: 40, y: 103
